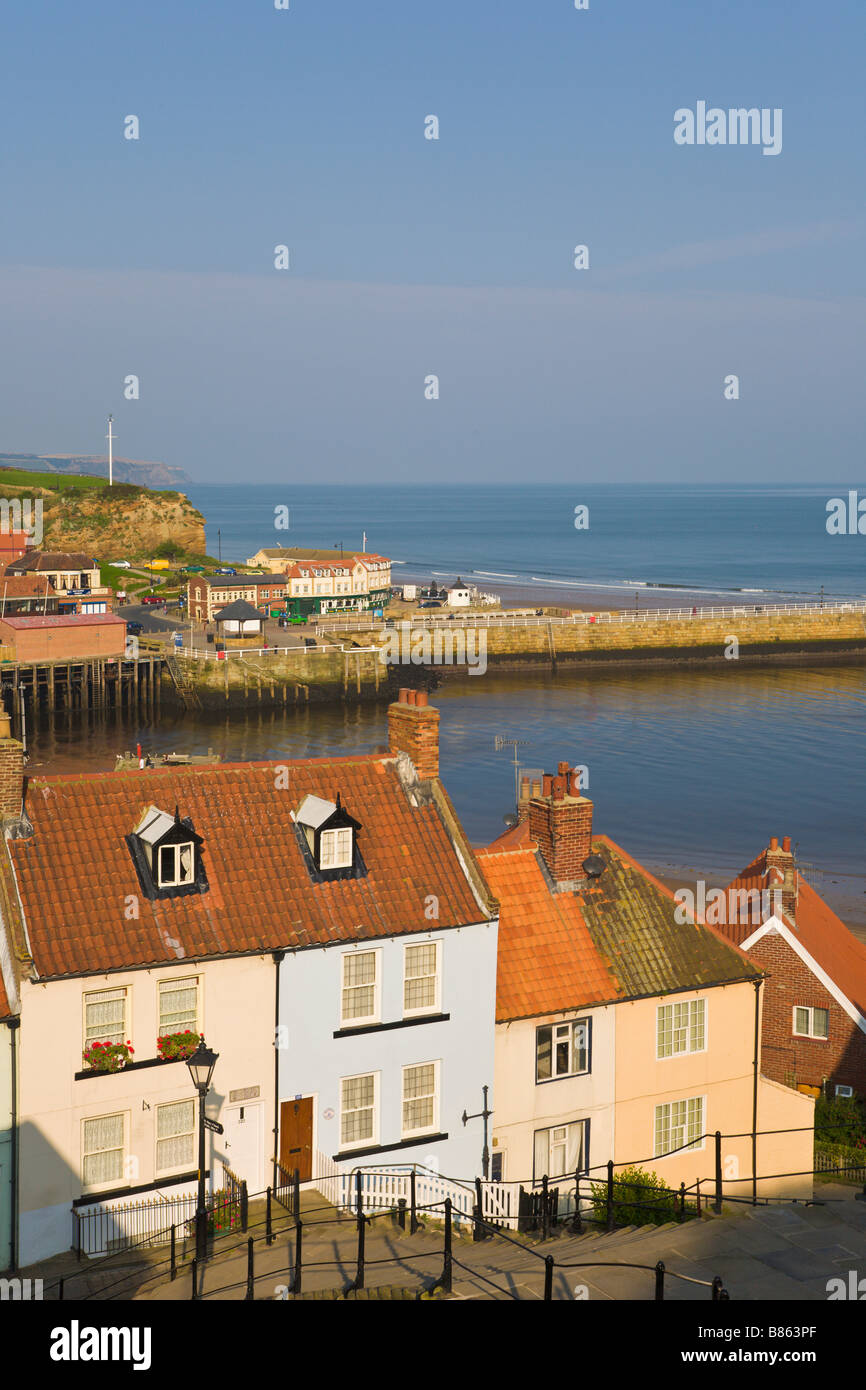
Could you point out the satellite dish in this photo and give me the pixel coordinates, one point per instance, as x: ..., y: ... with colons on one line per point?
x: 511, y: 820
x: 594, y: 866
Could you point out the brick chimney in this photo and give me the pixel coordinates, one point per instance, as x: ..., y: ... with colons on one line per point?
x: 11, y: 771
x: 530, y: 786
x: 413, y: 728
x: 560, y: 823
x: 781, y: 875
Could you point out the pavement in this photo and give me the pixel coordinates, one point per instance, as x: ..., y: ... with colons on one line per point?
x: 770, y: 1252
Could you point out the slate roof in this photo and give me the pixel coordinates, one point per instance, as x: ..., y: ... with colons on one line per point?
x: 42, y: 560
x: 617, y: 939
x: 75, y: 872
x: 238, y: 612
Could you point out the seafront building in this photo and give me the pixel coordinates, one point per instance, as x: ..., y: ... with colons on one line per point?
x: 71, y: 575
x: 328, y: 581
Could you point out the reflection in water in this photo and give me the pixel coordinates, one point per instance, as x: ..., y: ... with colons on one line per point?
x: 692, y: 770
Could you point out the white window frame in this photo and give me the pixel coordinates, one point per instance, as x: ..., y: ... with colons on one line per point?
x: 340, y: 860
x: 550, y: 1130
x: 433, y: 1127
x: 175, y: 982
x: 373, y: 1140
x: 376, y: 1015
x: 685, y: 1147
x: 193, y: 1133
x: 436, y: 1006
x: 167, y: 882
x: 696, y: 1022
x: 89, y: 995
x: 570, y: 1025
x: 111, y: 1183
x: 811, y: 1010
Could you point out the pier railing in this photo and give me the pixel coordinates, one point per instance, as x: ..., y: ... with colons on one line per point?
x: 639, y: 615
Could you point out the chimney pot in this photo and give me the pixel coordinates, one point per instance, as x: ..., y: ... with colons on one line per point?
x: 420, y: 698
x: 575, y: 784
x: 563, y: 769
x: 786, y: 844
x: 411, y: 697
x: 546, y: 784
x: 403, y: 694
x: 559, y: 788
x: 774, y: 842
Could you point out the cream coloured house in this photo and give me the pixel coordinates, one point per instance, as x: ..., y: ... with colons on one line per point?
x: 623, y: 1035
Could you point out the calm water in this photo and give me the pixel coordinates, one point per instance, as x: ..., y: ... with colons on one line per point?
x: 713, y: 539
x: 690, y: 770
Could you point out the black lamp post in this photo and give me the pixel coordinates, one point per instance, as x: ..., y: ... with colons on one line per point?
x: 483, y: 1114
x: 201, y: 1065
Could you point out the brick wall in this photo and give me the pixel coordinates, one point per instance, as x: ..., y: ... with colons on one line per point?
x: 11, y: 771
x: 841, y: 1059
x: 68, y: 643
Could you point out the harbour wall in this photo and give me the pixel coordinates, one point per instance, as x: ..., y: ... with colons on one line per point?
x: 357, y: 674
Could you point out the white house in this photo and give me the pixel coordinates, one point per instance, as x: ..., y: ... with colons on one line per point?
x: 458, y: 595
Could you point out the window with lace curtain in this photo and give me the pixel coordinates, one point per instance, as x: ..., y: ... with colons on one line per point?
x: 421, y: 978
x: 175, y: 1136
x: 105, y: 1016
x: 360, y: 992
x: 103, y: 1142
x: 178, y: 1006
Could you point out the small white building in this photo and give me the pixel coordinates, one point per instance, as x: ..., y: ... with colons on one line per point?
x: 458, y: 595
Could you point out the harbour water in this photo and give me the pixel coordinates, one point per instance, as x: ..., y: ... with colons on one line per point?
x: 690, y: 769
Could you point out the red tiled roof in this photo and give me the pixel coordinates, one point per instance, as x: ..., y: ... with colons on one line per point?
x: 64, y: 620
x: 76, y: 875
x: 838, y: 952
x: 546, y: 958
x: 25, y: 586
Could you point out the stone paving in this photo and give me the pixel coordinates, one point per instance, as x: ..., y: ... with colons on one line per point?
x: 766, y: 1252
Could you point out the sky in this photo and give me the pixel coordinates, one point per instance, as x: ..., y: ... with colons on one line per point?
x: 412, y: 258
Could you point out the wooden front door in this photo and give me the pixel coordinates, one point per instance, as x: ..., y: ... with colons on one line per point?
x: 296, y: 1137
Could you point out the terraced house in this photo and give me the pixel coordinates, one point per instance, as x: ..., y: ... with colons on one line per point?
x: 322, y: 923
x: 622, y: 1034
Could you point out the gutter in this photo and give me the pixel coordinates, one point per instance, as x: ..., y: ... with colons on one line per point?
x: 277, y: 957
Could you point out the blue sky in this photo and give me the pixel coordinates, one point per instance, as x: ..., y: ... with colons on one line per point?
x: 454, y: 257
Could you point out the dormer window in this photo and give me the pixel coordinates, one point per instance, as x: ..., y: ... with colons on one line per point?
x: 167, y: 855
x: 329, y: 837
x: 176, y: 865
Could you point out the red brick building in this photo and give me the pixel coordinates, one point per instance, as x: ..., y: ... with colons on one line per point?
x: 68, y: 638
x: 814, y: 1021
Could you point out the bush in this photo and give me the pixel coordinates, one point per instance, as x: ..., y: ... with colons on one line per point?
x: 639, y: 1198
x: 839, y: 1121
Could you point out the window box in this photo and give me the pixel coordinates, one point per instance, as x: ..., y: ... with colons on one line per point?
x: 107, y: 1056
x: 175, y: 1047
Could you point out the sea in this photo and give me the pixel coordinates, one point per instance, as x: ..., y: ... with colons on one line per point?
x: 690, y: 769
x: 719, y: 542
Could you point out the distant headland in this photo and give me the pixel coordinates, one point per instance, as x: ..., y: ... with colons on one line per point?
x: 152, y: 475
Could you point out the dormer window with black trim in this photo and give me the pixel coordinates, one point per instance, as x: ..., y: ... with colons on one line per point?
x: 167, y: 855
x: 328, y: 837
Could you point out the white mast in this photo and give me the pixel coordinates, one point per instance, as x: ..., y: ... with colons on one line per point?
x: 364, y: 544
x: 110, y: 438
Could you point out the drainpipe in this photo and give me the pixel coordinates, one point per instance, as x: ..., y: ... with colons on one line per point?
x: 757, y: 984
x: 13, y: 1025
x: 277, y: 957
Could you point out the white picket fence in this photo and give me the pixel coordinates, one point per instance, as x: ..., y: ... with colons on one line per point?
x: 383, y: 1188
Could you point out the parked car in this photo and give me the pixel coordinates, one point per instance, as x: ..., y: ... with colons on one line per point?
x: 430, y: 603
x: 120, y: 564
x: 192, y: 569
x: 153, y: 599
x: 225, y: 571
x: 133, y: 628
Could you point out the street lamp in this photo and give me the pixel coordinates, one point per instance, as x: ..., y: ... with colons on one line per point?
x: 201, y: 1065
x: 483, y: 1114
